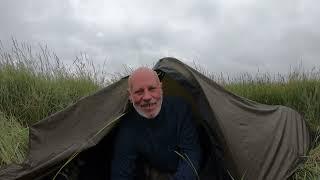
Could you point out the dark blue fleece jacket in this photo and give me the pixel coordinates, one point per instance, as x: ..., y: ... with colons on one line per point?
x: 155, y: 141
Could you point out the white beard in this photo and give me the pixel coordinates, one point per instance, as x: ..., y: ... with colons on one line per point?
x: 141, y: 113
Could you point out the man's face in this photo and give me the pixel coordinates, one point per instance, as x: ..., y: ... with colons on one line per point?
x: 146, y: 94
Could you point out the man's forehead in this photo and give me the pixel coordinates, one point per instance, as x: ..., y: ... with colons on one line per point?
x: 144, y: 79
x: 143, y: 72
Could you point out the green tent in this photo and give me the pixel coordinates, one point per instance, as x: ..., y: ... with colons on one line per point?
x: 240, y: 138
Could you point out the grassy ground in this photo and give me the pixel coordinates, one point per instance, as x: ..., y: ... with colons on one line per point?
x: 34, y: 85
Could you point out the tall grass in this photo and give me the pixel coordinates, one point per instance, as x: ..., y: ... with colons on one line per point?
x: 36, y: 84
x: 300, y: 92
x: 13, y: 140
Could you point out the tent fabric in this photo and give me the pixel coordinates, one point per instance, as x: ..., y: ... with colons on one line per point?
x: 257, y: 141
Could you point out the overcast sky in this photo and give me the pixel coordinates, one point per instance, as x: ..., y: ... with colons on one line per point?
x: 221, y: 35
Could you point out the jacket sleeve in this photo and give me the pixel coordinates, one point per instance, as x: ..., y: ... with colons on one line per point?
x: 124, y: 156
x: 189, y: 146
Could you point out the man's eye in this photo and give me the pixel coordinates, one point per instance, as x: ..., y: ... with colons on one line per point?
x: 139, y: 92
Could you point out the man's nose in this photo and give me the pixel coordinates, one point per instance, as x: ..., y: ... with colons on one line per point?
x: 147, y: 96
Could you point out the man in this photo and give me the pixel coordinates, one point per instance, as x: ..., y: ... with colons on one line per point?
x: 160, y: 133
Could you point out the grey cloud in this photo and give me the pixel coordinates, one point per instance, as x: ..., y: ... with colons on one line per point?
x: 221, y: 36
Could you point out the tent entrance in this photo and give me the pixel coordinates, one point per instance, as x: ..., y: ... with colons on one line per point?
x: 94, y: 163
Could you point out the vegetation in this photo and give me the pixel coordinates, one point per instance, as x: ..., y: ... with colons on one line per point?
x: 13, y: 140
x: 35, y: 85
x: 298, y: 90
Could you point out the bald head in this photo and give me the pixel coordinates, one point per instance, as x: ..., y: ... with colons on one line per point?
x: 142, y: 72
